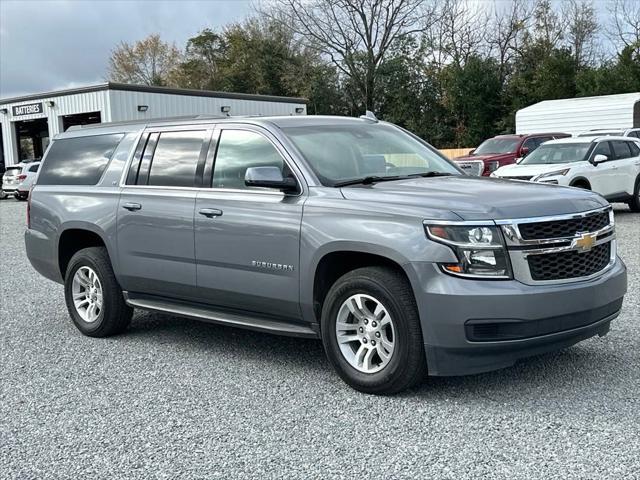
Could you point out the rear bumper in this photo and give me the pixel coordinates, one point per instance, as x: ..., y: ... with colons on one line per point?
x: 478, y: 326
x: 40, y: 253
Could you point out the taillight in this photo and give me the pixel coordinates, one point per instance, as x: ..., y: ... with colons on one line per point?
x: 21, y: 177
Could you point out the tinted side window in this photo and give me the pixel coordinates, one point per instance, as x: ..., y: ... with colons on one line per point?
x: 78, y: 161
x: 531, y: 144
x: 239, y: 150
x: 34, y: 168
x: 635, y: 149
x: 621, y: 149
x: 175, y: 159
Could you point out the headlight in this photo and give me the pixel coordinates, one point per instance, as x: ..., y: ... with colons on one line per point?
x: 480, y: 250
x: 557, y: 173
x: 492, y: 166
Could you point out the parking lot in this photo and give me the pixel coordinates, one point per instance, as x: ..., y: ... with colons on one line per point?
x: 175, y: 398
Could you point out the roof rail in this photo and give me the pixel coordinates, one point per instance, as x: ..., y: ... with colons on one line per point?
x: 159, y: 119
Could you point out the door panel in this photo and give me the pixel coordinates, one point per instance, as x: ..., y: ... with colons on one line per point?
x: 625, y: 163
x: 156, y: 210
x: 155, y: 242
x: 603, y: 178
x: 247, y: 256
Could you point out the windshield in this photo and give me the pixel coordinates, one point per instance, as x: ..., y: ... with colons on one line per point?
x: 497, y: 145
x: 558, y: 153
x: 341, y: 153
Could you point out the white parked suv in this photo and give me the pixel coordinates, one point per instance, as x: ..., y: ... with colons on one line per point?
x: 607, y: 165
x: 616, y: 132
x: 18, y: 179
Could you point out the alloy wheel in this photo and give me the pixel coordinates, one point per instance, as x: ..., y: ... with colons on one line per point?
x: 365, y: 333
x: 87, y: 294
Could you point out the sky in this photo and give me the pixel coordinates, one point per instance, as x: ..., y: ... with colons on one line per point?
x: 48, y: 45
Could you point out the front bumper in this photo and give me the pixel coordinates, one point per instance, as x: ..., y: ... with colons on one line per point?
x: 517, y: 320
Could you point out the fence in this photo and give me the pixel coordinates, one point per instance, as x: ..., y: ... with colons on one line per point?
x: 455, y: 152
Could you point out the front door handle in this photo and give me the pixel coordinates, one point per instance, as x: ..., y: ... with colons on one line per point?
x: 131, y: 206
x: 210, y: 212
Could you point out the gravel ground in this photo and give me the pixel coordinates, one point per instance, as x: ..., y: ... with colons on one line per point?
x: 175, y: 398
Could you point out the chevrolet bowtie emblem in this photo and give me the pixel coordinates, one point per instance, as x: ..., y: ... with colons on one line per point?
x: 585, y: 242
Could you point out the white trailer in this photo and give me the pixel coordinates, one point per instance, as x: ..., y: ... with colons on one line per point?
x: 27, y: 123
x: 576, y: 115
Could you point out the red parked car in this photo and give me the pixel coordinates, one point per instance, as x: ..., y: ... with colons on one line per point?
x: 502, y: 150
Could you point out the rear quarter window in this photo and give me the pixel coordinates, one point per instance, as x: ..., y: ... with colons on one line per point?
x: 78, y: 161
x: 13, y: 171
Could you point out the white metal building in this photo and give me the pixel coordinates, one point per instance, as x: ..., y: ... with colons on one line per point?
x: 575, y: 115
x: 27, y: 123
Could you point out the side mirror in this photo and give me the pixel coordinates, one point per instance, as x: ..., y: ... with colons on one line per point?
x: 599, y: 159
x: 524, y: 151
x: 269, y: 177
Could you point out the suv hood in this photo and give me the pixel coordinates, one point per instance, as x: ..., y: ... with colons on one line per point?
x: 477, y: 198
x: 529, y: 170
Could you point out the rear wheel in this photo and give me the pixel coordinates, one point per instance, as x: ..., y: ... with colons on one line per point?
x: 94, y: 298
x: 634, y: 203
x: 371, y: 331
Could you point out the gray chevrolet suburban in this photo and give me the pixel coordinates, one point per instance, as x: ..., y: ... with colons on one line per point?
x: 350, y: 230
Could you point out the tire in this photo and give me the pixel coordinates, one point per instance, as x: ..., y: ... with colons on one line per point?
x: 634, y: 203
x: 582, y: 185
x: 113, y: 315
x: 3, y: 195
x: 407, y: 363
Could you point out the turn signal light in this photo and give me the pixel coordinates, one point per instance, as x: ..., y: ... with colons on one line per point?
x: 453, y: 268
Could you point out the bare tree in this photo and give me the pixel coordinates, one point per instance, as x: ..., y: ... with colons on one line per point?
x: 505, y: 30
x: 547, y: 28
x: 625, y: 22
x: 355, y: 35
x: 582, y: 28
x: 456, y: 35
x: 147, y: 62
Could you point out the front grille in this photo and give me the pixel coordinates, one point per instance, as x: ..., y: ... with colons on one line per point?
x: 527, y: 178
x: 471, y: 167
x: 564, y: 228
x: 570, y: 264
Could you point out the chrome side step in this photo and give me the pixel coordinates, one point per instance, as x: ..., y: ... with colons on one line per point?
x: 209, y: 314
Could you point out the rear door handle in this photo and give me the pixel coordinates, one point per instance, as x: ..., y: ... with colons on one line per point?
x: 131, y: 206
x: 210, y: 212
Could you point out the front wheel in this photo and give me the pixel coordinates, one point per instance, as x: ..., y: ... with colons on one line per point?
x: 371, y: 331
x: 93, y: 296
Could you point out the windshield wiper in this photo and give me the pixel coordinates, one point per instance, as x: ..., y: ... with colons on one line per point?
x: 431, y: 174
x: 368, y: 180
x: 375, y: 178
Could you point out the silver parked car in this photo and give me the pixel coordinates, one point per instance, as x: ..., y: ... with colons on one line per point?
x: 352, y: 231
